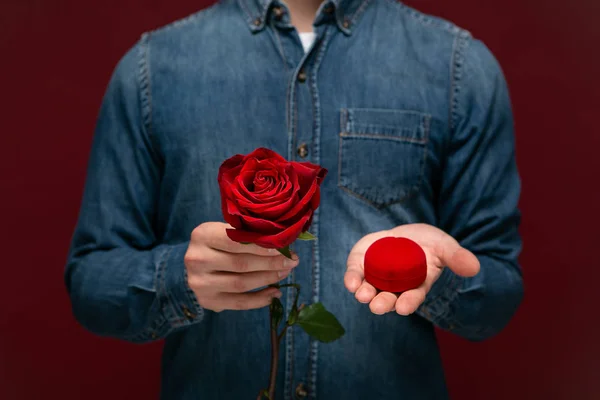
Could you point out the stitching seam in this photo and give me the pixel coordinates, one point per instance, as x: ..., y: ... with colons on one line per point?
x: 313, y: 345
x: 144, y: 82
x: 359, y: 11
x: 458, y: 61
x: 366, y: 135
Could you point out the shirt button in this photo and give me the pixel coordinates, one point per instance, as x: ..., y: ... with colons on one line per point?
x: 303, y: 150
x: 188, y: 313
x: 301, y: 391
x: 346, y: 24
x: 278, y: 11
x: 302, y: 76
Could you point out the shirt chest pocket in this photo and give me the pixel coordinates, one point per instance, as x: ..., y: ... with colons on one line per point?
x: 382, y: 154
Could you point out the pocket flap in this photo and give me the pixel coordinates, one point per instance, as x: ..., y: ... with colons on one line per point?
x: 402, y: 125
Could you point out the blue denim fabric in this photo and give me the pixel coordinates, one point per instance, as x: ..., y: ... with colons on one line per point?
x: 408, y: 112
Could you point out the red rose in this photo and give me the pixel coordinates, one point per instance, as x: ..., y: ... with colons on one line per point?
x: 268, y: 200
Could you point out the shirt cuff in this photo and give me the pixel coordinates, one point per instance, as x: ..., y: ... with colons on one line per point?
x: 440, y: 300
x: 178, y: 302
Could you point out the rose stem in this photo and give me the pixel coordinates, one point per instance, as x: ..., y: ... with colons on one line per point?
x: 275, y: 344
x: 274, y: 360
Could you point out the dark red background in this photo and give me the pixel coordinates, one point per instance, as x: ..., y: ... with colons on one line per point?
x: 55, y: 60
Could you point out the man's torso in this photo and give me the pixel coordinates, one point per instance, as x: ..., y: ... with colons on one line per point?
x: 370, y: 103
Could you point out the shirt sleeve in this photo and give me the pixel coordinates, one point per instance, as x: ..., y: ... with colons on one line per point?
x: 122, y: 280
x: 478, y: 200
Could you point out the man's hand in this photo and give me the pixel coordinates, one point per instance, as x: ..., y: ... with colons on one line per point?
x: 441, y: 251
x: 221, y: 272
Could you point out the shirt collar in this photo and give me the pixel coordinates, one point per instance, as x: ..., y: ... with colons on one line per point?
x: 345, y: 12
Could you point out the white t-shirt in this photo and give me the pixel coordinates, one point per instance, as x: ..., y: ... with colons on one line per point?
x: 307, y: 39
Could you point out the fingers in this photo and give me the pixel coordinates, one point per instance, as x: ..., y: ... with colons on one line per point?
x: 442, y: 251
x: 354, y: 275
x: 242, y: 301
x: 214, y: 235
x: 245, y: 263
x: 355, y: 263
x: 352, y: 281
x: 228, y: 282
x: 365, y: 293
x: 408, y: 302
x: 460, y: 260
x: 383, y: 303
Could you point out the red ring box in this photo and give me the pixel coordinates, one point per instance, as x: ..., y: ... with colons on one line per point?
x: 395, y: 264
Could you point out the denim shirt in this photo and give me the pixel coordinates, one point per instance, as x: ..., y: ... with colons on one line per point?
x: 411, y: 116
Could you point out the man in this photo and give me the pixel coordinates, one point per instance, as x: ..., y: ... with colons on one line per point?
x: 410, y: 115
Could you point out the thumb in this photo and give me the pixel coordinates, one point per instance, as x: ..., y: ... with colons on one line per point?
x: 460, y: 260
x: 354, y: 270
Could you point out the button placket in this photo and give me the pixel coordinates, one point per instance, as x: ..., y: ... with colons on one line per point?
x: 303, y: 132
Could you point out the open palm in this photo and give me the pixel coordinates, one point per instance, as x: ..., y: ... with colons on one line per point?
x: 441, y: 251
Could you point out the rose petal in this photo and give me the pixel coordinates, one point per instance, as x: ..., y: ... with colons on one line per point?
x: 302, y: 204
x: 311, y: 199
x: 280, y: 191
x: 229, y: 177
x: 308, y: 223
x: 264, y: 181
x: 272, y: 210
x: 260, y: 225
x: 306, y: 173
x: 316, y: 200
x: 253, y: 167
x: 264, y: 154
x: 247, y: 175
x: 263, y: 197
x: 231, y: 214
x: 230, y: 163
x: 242, y: 195
x: 277, y: 241
x: 227, y: 172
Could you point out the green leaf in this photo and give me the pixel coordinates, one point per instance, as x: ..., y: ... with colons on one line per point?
x: 276, y: 312
x: 320, y: 323
x: 306, y: 236
x: 286, y: 252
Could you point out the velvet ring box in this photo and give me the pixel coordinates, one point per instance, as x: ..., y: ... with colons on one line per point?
x: 395, y: 264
